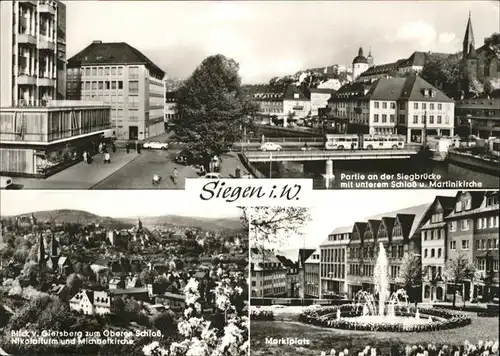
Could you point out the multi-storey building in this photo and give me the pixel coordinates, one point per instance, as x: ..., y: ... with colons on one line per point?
x: 61, y: 51
x: 319, y: 99
x: 91, y: 302
x: 170, y: 107
x: 292, y: 276
x: 268, y: 275
x: 123, y: 77
x: 295, y: 104
x: 333, y: 262
x: 480, y: 117
x: 311, y: 275
x: 407, y: 106
x: 473, y: 231
x: 304, y: 254
x: 40, y: 141
x: 434, y: 239
x: 29, y: 51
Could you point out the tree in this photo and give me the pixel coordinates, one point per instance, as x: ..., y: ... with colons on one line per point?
x: 458, y: 270
x: 493, y: 40
x: 73, y: 283
x: 445, y: 73
x: 273, y: 224
x: 410, y: 273
x: 165, y: 322
x: 212, y: 108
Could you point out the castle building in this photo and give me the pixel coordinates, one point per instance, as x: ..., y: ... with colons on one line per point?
x: 360, y: 64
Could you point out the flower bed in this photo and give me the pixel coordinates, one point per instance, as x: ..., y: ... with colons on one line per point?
x: 468, y: 349
x: 257, y: 314
x: 327, y: 317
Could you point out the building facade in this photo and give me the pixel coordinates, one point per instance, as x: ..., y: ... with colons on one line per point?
x: 120, y: 76
x: 333, y: 258
x: 268, y: 275
x: 295, y: 104
x: 170, y: 107
x: 480, y: 117
x: 30, y: 52
x: 311, y: 275
x: 40, y: 141
x: 319, y: 99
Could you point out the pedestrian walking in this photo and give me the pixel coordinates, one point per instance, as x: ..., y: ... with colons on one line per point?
x: 175, y: 175
x: 352, y: 146
x: 85, y: 157
x: 156, y: 179
x: 113, y: 147
x: 100, y: 147
x: 237, y: 172
x: 127, y: 147
x: 107, y: 157
x: 138, y: 147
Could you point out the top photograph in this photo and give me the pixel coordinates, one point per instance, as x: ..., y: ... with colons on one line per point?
x: 351, y: 95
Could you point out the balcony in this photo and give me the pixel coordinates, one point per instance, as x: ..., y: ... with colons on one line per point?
x: 26, y: 79
x: 24, y: 38
x: 46, y: 82
x: 46, y: 44
x: 45, y: 8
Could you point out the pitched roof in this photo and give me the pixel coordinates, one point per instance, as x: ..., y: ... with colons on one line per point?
x: 387, y: 89
x: 413, y: 90
x: 310, y: 259
x: 290, y: 92
x: 373, y: 224
x: 120, y: 291
x: 304, y: 254
x: 388, y: 222
x: 382, y: 68
x: 285, y: 261
x: 113, y: 53
x: 323, y: 90
x: 342, y: 230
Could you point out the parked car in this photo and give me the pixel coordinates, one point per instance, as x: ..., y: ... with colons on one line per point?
x: 155, y: 145
x: 184, y: 157
x: 5, y: 182
x: 212, y: 176
x: 270, y: 146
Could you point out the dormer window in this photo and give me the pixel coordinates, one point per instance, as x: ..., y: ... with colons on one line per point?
x: 426, y: 93
x: 467, y: 204
x: 458, y: 206
x: 295, y: 95
x: 433, y: 93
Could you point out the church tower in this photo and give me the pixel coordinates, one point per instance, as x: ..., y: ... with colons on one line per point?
x: 139, y: 225
x: 370, y: 58
x: 469, y: 57
x: 359, y: 64
x: 468, y: 43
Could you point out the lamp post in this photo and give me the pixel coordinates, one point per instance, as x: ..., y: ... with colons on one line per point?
x: 270, y: 165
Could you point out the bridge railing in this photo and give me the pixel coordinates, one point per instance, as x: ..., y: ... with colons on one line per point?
x: 286, y: 140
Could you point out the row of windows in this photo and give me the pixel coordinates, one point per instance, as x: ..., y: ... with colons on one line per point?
x: 338, y: 237
x: 482, y: 223
x: 332, y: 270
x: 432, y: 234
x: 482, y: 265
x: 100, y: 71
x: 465, y: 245
x: 486, y: 244
x: 395, y: 271
x: 423, y: 106
x: 369, y: 252
x: 439, y: 119
x: 364, y: 270
x: 433, y: 253
x: 133, y: 85
x: 376, y: 104
x: 384, y: 118
x: 332, y: 255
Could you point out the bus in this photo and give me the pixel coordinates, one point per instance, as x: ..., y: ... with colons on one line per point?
x: 382, y: 142
x: 341, y: 142
x: 495, y: 146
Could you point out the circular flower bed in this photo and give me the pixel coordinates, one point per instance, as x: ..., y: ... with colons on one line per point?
x: 327, y: 317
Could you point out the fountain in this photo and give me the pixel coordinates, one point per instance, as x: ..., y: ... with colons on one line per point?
x: 338, y: 314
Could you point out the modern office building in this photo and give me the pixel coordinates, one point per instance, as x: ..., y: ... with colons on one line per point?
x: 32, y: 50
x: 333, y: 262
x: 124, y: 78
x: 40, y: 141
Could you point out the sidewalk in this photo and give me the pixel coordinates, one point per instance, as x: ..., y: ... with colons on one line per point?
x: 81, y: 175
x: 229, y: 162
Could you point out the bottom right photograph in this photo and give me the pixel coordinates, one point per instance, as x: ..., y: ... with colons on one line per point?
x: 386, y: 272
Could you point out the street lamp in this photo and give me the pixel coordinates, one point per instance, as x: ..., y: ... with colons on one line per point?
x: 270, y: 164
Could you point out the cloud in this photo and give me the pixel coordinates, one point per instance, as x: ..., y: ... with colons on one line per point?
x: 419, y: 31
x: 447, y: 37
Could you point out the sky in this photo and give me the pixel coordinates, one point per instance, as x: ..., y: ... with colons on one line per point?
x: 112, y: 203
x: 341, y: 208
x: 274, y: 38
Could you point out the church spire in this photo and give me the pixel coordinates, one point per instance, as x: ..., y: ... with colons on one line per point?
x: 468, y: 38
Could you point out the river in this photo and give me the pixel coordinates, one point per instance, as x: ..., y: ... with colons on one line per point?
x: 316, y: 171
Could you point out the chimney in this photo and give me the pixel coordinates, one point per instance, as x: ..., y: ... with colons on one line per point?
x: 96, y: 42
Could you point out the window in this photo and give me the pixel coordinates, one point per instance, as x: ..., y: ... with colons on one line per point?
x: 120, y: 70
x: 415, y: 119
x: 458, y: 206
x: 415, y: 105
x: 376, y: 105
x: 384, y: 118
x: 439, y: 120
x: 393, y: 105
x: 453, y: 245
x: 133, y: 72
x: 120, y: 84
x: 392, y: 118
x: 424, y: 235
x: 464, y: 224
x: 402, y: 105
x: 481, y: 264
x: 478, y: 245
x: 133, y: 86
x: 483, y: 244
x: 106, y: 71
x: 94, y: 71
x: 87, y: 71
x: 440, y: 106
x: 488, y: 244
x: 402, y: 119
x: 113, y: 85
x: 107, y: 85
x: 375, y: 118
x: 384, y: 105
x: 431, y: 119
x: 101, y: 85
x: 465, y: 244
x: 99, y: 71
x: 467, y: 204
x: 432, y: 253
x: 424, y: 106
x: 113, y: 70
x: 439, y: 252
x: 87, y: 85
x: 94, y: 85
x: 425, y: 253
x: 431, y: 106
x: 495, y: 265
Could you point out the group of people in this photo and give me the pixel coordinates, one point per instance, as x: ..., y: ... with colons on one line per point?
x: 157, y: 177
x: 101, y: 149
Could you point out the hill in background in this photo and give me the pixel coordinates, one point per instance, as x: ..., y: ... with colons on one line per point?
x: 84, y: 217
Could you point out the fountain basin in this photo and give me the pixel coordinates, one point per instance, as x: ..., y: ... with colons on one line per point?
x: 388, y: 320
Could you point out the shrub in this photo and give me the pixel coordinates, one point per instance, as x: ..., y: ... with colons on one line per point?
x: 258, y: 314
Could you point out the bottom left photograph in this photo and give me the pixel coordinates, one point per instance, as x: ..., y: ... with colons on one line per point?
x: 121, y: 273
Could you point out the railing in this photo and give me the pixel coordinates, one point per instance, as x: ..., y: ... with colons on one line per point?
x: 256, y: 155
x: 286, y: 139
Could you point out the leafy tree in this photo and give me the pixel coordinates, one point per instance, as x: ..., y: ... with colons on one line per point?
x: 165, y: 322
x: 273, y: 224
x: 444, y: 73
x: 212, y: 108
x: 73, y: 283
x: 410, y: 273
x: 493, y: 40
x: 458, y: 270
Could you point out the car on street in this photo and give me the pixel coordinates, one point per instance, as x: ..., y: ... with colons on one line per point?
x: 270, y: 146
x: 212, y: 176
x: 5, y: 182
x: 155, y: 145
